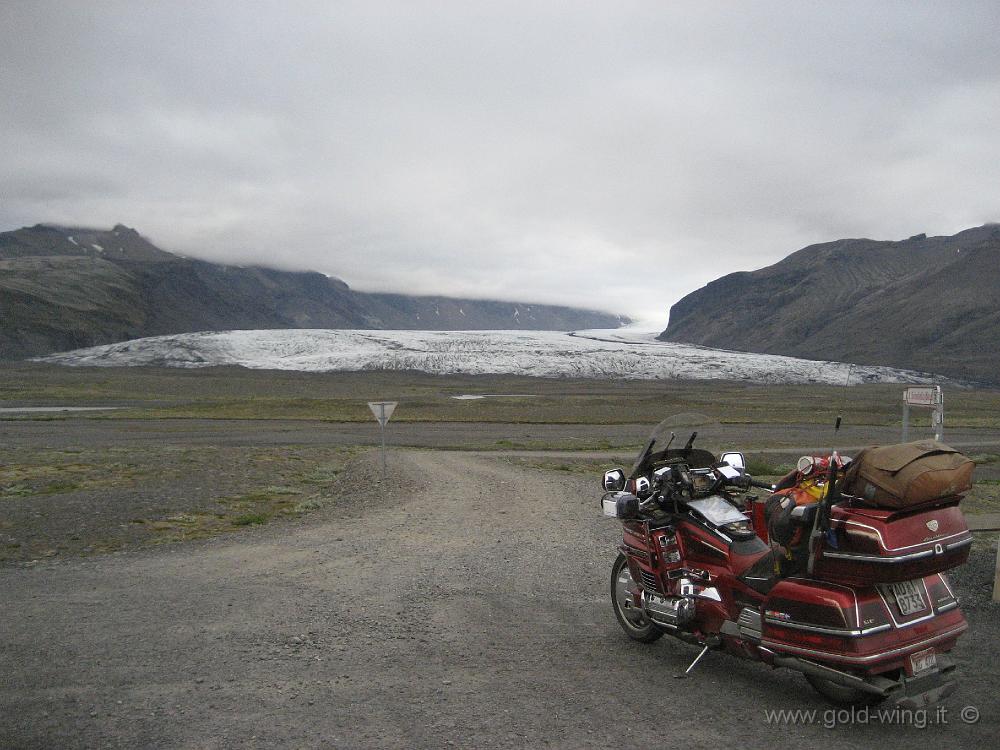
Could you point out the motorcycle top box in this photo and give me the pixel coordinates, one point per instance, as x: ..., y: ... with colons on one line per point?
x: 878, y: 545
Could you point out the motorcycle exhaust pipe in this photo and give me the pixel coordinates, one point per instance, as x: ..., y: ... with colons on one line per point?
x: 879, y: 686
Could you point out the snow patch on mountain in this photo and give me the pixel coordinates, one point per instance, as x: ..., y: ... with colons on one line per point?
x: 611, y: 354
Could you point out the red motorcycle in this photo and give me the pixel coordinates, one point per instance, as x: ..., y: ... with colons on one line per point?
x: 860, y: 604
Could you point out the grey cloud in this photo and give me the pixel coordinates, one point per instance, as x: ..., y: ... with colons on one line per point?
x: 610, y: 155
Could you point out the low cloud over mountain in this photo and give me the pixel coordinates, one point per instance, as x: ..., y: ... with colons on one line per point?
x: 64, y: 288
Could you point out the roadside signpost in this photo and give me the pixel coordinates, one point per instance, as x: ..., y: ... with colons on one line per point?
x: 927, y: 397
x: 382, y: 411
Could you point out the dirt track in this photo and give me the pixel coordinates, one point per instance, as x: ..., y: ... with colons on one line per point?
x: 463, y: 605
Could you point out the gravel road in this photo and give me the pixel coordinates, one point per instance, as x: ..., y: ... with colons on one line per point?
x: 461, y: 604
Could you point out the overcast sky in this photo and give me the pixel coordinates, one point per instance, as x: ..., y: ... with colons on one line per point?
x: 611, y: 155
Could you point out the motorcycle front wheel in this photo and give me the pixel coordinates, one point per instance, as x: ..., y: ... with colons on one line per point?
x: 632, y: 619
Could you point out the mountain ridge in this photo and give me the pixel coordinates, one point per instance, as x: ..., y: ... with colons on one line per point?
x: 926, y: 303
x: 65, y: 288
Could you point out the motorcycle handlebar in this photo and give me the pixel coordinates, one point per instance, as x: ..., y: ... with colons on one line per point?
x: 743, y: 481
x: 746, y: 482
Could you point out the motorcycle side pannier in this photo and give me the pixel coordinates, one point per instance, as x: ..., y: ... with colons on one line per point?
x: 908, y: 474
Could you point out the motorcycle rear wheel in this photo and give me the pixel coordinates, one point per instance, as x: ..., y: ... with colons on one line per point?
x: 636, y: 626
x: 841, y: 694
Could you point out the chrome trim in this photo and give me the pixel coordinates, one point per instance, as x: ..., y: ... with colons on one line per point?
x: 689, y: 588
x: 876, y: 558
x: 843, y: 632
x: 876, y: 629
x: 649, y: 580
x: 956, y: 631
x: 947, y: 607
x: 944, y: 580
x: 956, y: 545
x: 881, y: 541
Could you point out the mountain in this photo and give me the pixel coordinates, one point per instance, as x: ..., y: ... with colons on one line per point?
x: 926, y: 303
x: 65, y: 288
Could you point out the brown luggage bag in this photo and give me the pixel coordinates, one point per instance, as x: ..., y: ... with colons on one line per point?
x: 899, y: 476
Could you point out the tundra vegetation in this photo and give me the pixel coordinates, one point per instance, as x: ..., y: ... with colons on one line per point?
x: 181, y: 458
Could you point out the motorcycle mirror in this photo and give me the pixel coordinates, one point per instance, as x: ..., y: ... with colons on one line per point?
x: 614, y: 480
x: 735, y: 459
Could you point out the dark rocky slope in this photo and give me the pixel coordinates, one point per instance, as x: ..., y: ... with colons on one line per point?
x: 927, y: 303
x: 65, y: 288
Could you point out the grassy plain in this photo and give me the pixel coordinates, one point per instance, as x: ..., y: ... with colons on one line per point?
x: 101, y: 499
x: 238, y: 393
x: 152, y: 472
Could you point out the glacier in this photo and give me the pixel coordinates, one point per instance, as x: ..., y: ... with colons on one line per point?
x: 598, y: 354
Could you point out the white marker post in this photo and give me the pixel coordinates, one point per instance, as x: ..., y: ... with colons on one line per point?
x: 382, y: 411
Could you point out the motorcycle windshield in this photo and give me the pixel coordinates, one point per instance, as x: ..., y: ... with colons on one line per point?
x: 672, y: 438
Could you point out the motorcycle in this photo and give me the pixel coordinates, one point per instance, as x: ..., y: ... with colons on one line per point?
x: 862, y: 608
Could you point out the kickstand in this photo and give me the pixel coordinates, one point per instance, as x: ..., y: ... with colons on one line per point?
x: 693, y: 664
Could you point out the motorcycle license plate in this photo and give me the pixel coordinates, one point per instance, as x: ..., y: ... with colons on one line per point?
x: 908, y: 597
x: 922, y: 661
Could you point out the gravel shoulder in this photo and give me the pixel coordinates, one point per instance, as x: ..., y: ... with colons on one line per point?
x: 462, y: 603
